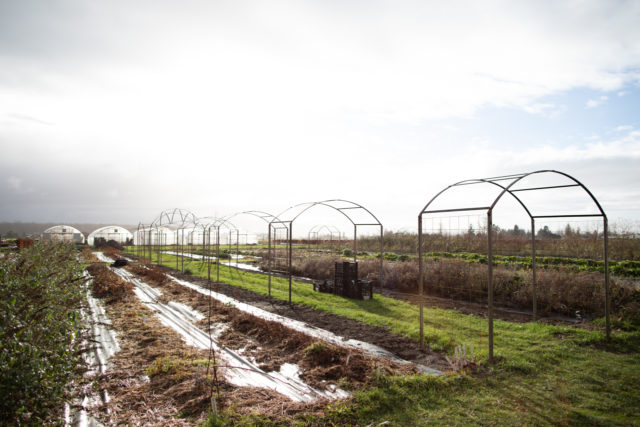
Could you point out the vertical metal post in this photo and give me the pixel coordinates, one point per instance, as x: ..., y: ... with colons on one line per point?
x: 607, y: 302
x: 290, y: 257
x: 217, y: 255
x: 355, y: 243
x: 269, y: 258
x: 381, y: 259
x: 237, y: 246
x: 229, y: 249
x: 490, y: 281
x: 420, y: 275
x: 533, y: 269
x: 208, y: 254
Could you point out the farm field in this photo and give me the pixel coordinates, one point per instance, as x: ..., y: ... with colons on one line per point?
x: 545, y: 374
x: 163, y: 373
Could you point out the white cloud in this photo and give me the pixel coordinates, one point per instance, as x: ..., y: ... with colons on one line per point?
x: 14, y: 183
x: 624, y: 147
x: 593, y: 103
x: 183, y: 97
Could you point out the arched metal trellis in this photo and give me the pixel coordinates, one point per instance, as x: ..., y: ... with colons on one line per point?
x: 348, y: 209
x: 207, y: 225
x: 507, y: 184
x: 156, y: 233
x: 314, y: 233
x: 269, y: 219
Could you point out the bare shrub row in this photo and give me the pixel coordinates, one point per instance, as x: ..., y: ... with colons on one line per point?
x: 558, y: 290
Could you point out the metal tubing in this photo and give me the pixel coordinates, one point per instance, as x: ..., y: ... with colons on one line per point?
x: 420, y: 277
x: 490, y: 282
x: 481, y: 208
x: 208, y: 255
x: 269, y: 258
x: 355, y: 243
x: 217, y: 255
x: 290, y: 232
x: 533, y: 268
x: 381, y: 259
x: 545, y: 188
x: 607, y: 302
x: 568, y: 216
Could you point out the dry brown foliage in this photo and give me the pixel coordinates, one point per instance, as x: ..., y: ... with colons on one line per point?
x: 111, y: 252
x: 108, y: 285
x: 88, y: 255
x: 558, y: 291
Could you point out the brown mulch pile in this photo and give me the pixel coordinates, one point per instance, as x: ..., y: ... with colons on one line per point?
x: 108, y: 285
x: 88, y: 255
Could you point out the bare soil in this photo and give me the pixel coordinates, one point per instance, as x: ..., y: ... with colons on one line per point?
x: 156, y: 379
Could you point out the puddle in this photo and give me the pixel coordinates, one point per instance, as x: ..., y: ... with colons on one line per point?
x: 238, y: 370
x: 305, y: 328
x: 198, y: 256
x: 103, y: 345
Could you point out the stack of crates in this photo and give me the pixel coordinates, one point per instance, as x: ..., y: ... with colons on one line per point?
x: 345, y: 282
x: 344, y: 279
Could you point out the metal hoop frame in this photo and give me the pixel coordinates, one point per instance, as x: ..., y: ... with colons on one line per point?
x: 507, y: 183
x: 288, y: 216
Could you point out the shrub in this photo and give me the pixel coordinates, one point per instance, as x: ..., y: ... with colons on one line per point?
x: 101, y: 242
x: 40, y: 331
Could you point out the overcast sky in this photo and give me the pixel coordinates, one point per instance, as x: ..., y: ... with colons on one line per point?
x: 111, y: 111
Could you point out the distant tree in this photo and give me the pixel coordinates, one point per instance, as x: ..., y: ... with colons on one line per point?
x: 517, y: 231
x: 545, y: 233
x: 470, y: 231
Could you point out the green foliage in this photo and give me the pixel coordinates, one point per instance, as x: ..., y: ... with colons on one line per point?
x: 40, y: 330
x: 347, y: 253
x: 618, y: 268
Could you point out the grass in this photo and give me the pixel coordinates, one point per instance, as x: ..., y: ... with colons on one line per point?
x: 544, y: 374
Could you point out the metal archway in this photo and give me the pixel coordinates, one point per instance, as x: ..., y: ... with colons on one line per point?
x: 318, y: 228
x: 269, y: 219
x: 345, y: 207
x: 168, y: 218
x: 208, y: 224
x: 507, y: 183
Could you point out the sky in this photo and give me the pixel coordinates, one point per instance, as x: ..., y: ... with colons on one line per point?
x: 111, y: 112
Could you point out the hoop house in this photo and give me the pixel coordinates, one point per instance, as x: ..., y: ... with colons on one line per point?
x: 111, y: 232
x: 63, y: 233
x: 356, y: 214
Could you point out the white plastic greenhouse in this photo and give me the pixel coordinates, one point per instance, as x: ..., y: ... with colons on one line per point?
x: 111, y: 232
x: 155, y: 236
x: 63, y: 233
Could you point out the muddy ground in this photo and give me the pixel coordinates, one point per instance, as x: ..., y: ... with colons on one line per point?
x: 348, y: 328
x: 156, y: 379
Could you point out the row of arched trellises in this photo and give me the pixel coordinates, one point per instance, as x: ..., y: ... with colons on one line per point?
x: 182, y: 230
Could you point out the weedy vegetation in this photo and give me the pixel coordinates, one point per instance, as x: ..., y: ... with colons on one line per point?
x: 41, y: 331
